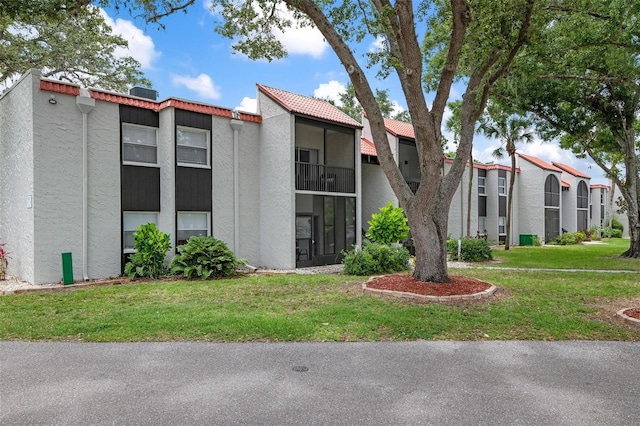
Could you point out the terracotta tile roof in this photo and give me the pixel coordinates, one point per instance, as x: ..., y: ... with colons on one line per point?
x: 599, y: 186
x: 565, y: 184
x: 570, y: 170
x: 399, y: 128
x: 367, y: 147
x: 494, y: 167
x: 100, y: 95
x: 538, y: 162
x: 310, y: 107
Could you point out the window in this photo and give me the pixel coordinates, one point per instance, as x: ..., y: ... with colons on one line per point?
x: 601, y: 196
x: 192, y: 224
x: 502, y: 228
x: 482, y: 225
x: 583, y: 195
x: 139, y: 144
x: 329, y: 225
x: 192, y: 146
x: 502, y: 185
x: 482, y: 181
x: 130, y: 223
x: 551, y: 192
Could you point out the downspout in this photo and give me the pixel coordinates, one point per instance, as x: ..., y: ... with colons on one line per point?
x: 236, y: 125
x: 85, y: 104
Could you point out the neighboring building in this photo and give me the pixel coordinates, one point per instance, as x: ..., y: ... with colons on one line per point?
x: 281, y: 187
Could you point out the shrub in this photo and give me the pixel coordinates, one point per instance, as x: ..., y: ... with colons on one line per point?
x: 388, y: 226
x: 568, y: 238
x: 204, y: 257
x: 4, y: 261
x: 616, y: 233
x: 616, y: 224
x: 375, y: 258
x: 472, y: 250
x: 151, y: 246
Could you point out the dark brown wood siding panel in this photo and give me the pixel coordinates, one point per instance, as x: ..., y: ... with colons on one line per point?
x: 502, y: 206
x: 193, y: 119
x: 193, y: 189
x: 141, y: 116
x: 482, y: 206
x: 140, y: 189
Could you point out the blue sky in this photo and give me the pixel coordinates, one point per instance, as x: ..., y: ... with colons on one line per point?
x: 188, y: 60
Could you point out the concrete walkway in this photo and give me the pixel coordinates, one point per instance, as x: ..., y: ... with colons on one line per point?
x: 412, y: 383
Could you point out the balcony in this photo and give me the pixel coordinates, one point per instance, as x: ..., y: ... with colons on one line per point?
x: 413, y: 184
x: 321, y: 178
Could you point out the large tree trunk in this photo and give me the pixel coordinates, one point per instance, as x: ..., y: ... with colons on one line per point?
x: 469, y: 193
x: 430, y: 242
x: 634, y: 236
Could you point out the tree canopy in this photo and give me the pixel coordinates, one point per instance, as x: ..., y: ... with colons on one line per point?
x: 68, y: 40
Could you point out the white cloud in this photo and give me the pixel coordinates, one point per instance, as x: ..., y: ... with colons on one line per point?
x: 202, y: 85
x: 141, y: 46
x: 378, y: 45
x: 330, y: 90
x: 248, y: 104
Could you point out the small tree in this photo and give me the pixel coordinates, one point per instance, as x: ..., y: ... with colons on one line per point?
x: 389, y: 226
x: 151, y: 246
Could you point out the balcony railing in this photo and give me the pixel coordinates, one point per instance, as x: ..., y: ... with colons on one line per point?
x: 413, y: 185
x: 321, y: 178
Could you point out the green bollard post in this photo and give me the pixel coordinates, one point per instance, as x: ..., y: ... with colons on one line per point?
x: 67, y: 269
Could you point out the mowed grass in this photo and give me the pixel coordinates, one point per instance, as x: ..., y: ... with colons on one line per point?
x: 604, y: 255
x: 531, y: 305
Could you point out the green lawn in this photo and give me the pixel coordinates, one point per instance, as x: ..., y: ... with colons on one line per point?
x: 530, y: 305
x: 604, y: 256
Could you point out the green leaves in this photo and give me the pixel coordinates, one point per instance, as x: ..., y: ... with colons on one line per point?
x: 388, y: 226
x: 205, y: 257
x: 151, y: 246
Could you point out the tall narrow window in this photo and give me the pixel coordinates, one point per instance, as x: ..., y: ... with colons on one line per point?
x: 502, y: 185
x: 192, y: 224
x: 502, y: 229
x: 139, y: 144
x: 193, y: 146
x: 482, y: 181
x: 329, y: 225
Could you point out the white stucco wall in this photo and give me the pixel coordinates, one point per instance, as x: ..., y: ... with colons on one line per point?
x: 167, y: 164
x: 58, y: 177
x: 222, y: 168
x: 376, y: 192
x: 249, y: 179
x: 16, y: 175
x: 277, y: 192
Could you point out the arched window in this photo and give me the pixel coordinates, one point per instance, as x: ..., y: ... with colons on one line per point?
x: 583, y: 195
x: 552, y: 192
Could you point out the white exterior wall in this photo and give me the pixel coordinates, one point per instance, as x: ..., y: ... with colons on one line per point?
x: 16, y: 175
x: 515, y: 219
x: 249, y: 191
x: 167, y: 164
x: 530, y: 209
x: 222, y: 186
x: 376, y: 192
x: 277, y: 193
x: 569, y: 203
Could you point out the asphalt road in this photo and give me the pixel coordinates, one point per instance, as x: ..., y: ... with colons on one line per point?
x: 413, y: 383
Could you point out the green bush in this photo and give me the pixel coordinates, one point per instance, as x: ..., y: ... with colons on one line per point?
x: 472, y: 250
x: 569, y: 238
x: 616, y: 233
x: 151, y: 246
x: 204, y: 257
x: 388, y: 226
x: 616, y: 224
x: 375, y: 258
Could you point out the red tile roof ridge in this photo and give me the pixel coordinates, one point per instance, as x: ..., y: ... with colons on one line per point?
x: 570, y: 170
x: 310, y: 107
x: 399, y: 128
x: 540, y: 163
x: 122, y: 99
x: 599, y: 186
x: 565, y: 183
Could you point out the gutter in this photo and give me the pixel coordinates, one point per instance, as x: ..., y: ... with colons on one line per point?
x: 85, y: 104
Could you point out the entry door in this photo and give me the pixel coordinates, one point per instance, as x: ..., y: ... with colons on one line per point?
x: 304, y: 240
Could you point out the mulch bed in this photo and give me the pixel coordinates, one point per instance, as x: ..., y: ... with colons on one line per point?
x: 458, y: 286
x: 633, y: 313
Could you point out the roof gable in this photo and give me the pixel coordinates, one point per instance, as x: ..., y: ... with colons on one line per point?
x: 310, y: 107
x: 399, y: 128
x: 538, y: 162
x: 570, y: 170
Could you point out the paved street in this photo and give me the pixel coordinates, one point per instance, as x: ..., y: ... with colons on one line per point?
x: 439, y: 383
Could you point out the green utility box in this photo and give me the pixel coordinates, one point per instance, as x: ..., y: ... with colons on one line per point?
x: 67, y: 269
x: 527, y: 239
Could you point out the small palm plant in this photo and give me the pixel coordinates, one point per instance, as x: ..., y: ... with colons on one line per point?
x: 4, y: 261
